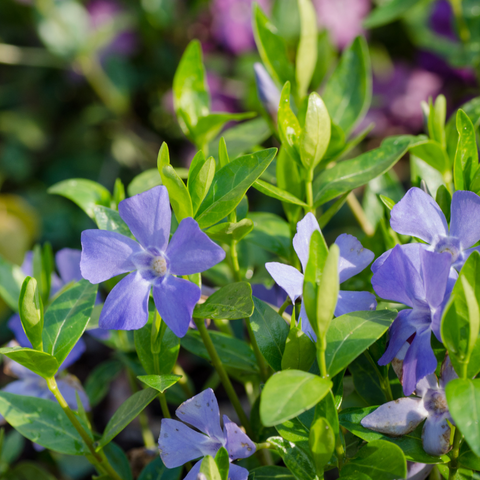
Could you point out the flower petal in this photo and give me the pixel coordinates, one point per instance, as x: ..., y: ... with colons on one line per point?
x: 435, y: 269
x: 175, y: 300
x: 428, y: 382
x: 301, y: 240
x: 349, y: 301
x: 396, y: 418
x: 418, y: 214
x: 306, y: 325
x: 202, y: 412
x: 465, y: 212
x: 289, y: 278
x: 68, y: 264
x: 418, y: 471
x: 126, y: 307
x: 75, y: 353
x: 411, y: 250
x: 398, y: 280
x: 149, y: 217
x: 436, y: 435
x: 448, y: 373
x: 238, y: 444
x: 106, y: 254
x: 180, y: 444
x: 463, y: 257
x: 353, y: 257
x: 237, y: 473
x: 15, y: 325
x: 419, y: 361
x: 193, y: 474
x: 191, y: 251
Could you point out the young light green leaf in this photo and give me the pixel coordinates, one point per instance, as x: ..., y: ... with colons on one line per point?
x: 306, y: 58
x: 275, y: 192
x: 444, y: 200
x: 322, y: 443
x: 41, y: 363
x: 200, y: 177
x: 209, y: 469
x: 304, y: 391
x: 223, y: 158
x: 232, y: 302
x: 288, y: 126
x: 436, y: 120
x: 159, y: 382
x: 300, y: 351
x: 315, y: 135
x: 85, y: 193
x: 126, y: 413
x: 11, y: 280
x: 30, y: 308
x: 230, y: 185
x: 388, y: 202
x: 109, y: 219
x: 227, y: 231
x: 466, y: 156
x: 431, y: 152
x: 144, y: 181
x: 66, y: 319
x: 223, y: 463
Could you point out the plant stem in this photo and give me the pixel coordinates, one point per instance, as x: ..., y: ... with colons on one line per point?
x: 359, y: 214
x: 183, y: 382
x: 453, y: 464
x: 235, y: 265
x: 284, y: 306
x: 340, y: 451
x: 164, y: 406
x: 309, y: 193
x: 227, y: 384
x: 384, y: 382
x: 321, y: 347
x: 101, y: 461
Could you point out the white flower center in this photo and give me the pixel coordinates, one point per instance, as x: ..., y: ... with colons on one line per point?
x: 159, y: 266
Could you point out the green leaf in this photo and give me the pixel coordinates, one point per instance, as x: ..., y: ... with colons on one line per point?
x: 347, y: 101
x: 85, y: 193
x: 472, y: 109
x: 270, y: 473
x: 289, y: 128
x: 297, y: 432
x: 304, y: 391
x: 30, y: 308
x: 467, y: 458
x: 431, y: 152
x: 350, y: 174
x: 119, y: 461
x: 190, y: 94
x: 98, y: 382
x: 156, y: 470
x: 411, y: 444
x: 315, y: 135
x: 233, y: 352
x: 388, y: 12
x: 42, y: 421
x: 306, y: 58
x: 159, y: 382
x: 322, y: 443
x: 300, y: 351
x: 466, y: 156
x: 41, y: 363
x: 351, y: 334
x: 272, y: 48
x: 11, y: 280
x: 200, y: 177
x: 388, y: 202
x: 436, y: 119
x: 209, y: 468
x: 231, y: 302
x: 327, y: 409
x: 463, y: 398
x: 67, y: 318
x: 108, y: 219
x: 27, y: 471
x: 126, y: 413
x: 444, y: 200
x: 275, y: 192
x: 387, y: 459
x: 144, y: 181
x: 230, y: 185
x: 223, y: 463
x: 228, y: 231
x: 271, y: 332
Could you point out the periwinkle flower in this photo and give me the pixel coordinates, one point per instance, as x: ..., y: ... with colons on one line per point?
x: 268, y: 92
x: 402, y: 416
x: 151, y: 263
x: 418, y: 215
x: 353, y: 259
x: 423, y: 281
x: 180, y: 444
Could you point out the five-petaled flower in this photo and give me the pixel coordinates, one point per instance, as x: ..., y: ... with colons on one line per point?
x: 152, y: 261
x: 418, y: 215
x: 353, y: 259
x: 402, y: 416
x: 180, y: 444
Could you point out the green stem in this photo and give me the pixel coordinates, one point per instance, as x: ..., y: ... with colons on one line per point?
x: 227, y: 384
x: 256, y: 350
x: 164, y: 406
x: 384, y: 382
x: 359, y: 214
x: 29, y: 56
x: 263, y: 446
x: 340, y: 452
x: 100, y: 460
x: 309, y: 193
x: 235, y: 265
x: 183, y: 382
x: 321, y: 347
x: 453, y: 464
x: 284, y: 306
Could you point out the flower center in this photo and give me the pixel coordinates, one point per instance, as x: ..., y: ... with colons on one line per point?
x: 159, y: 266
x: 436, y: 402
x: 450, y: 245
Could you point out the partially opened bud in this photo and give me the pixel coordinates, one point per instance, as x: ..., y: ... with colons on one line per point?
x: 30, y: 308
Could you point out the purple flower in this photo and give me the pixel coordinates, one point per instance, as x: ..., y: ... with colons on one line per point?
x: 418, y: 215
x: 152, y: 261
x: 418, y: 471
x: 353, y: 259
x: 268, y: 92
x: 180, y: 444
x: 422, y: 280
x: 402, y: 416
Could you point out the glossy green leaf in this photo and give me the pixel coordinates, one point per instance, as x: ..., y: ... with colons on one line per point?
x: 233, y: 352
x: 270, y: 473
x: 272, y: 48
x: 42, y: 421
x: 109, y: 219
x: 315, y: 135
x: 226, y: 232
x: 467, y: 458
x: 466, y: 156
x: 144, y: 181
x: 118, y: 459
x: 351, y: 334
x: 306, y: 57
x: 388, y: 12
x: 388, y: 460
x: 223, y: 157
x: 289, y: 128
x: 271, y: 233
x: 99, y: 380
x: 436, y: 119
x: 271, y: 332
x: 85, y: 193
x: 223, y: 463
x: 304, y: 391
x: 41, y: 363
x: 231, y: 302
x: 350, y: 174
x: 463, y: 398
x: 472, y: 109
x: 66, y: 319
x: 297, y: 432
x: 11, y: 280
x: 388, y: 202
x: 159, y: 382
x: 327, y: 409
x: 322, y: 443
x: 444, y: 200
x: 411, y: 444
x: 230, y: 185
x: 209, y: 468
x: 347, y: 101
x: 275, y: 192
x: 126, y: 413
x: 200, y: 177
x: 432, y: 153
x: 300, y: 351
x: 30, y: 308
x: 156, y: 470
